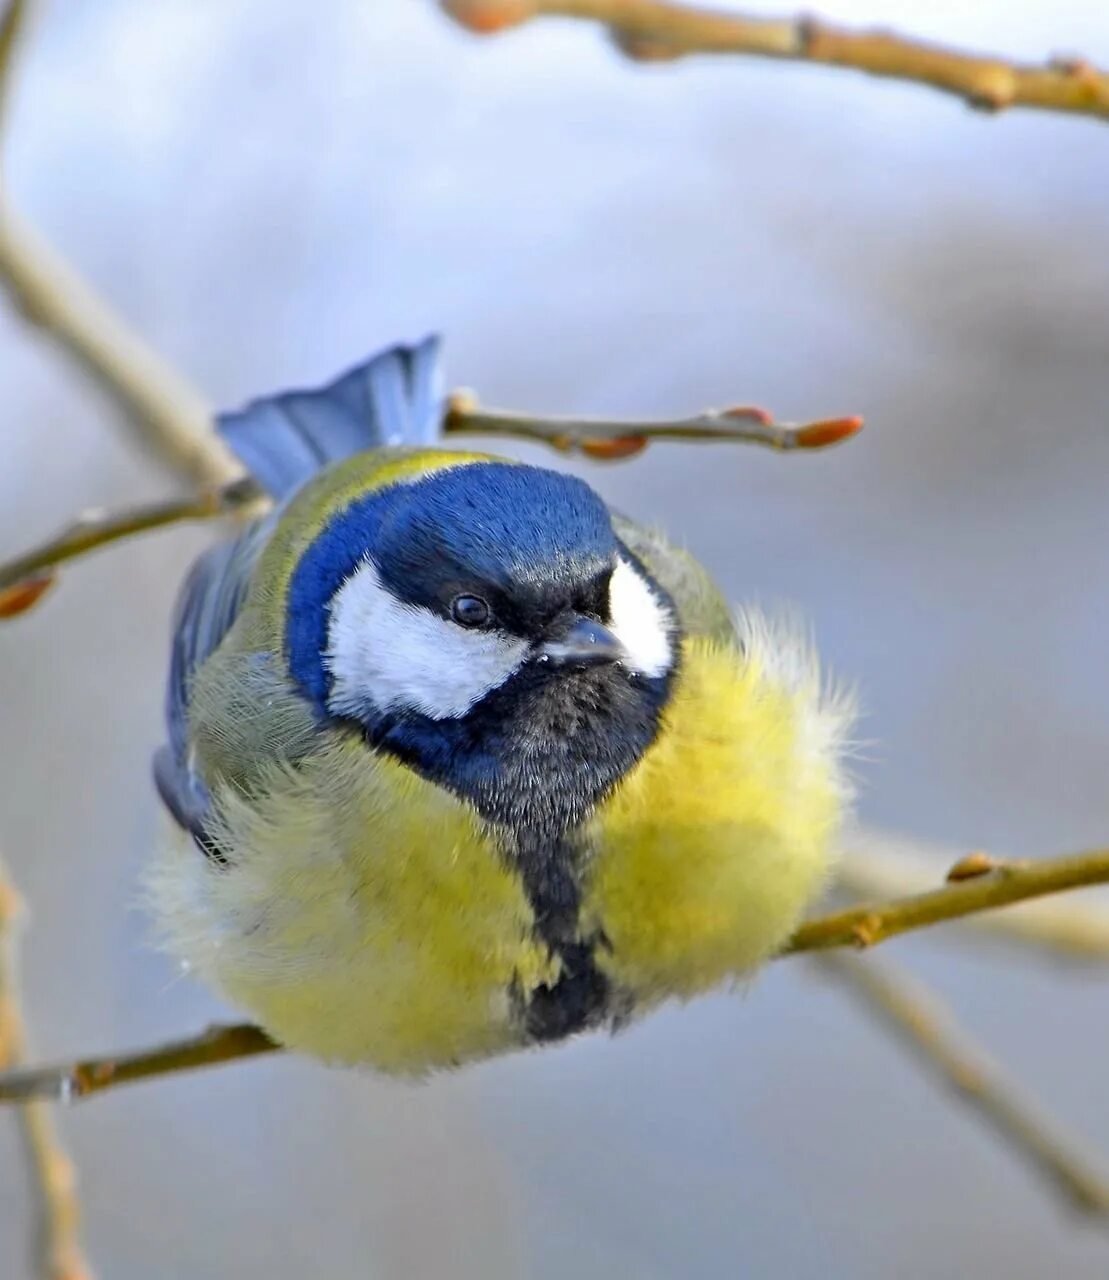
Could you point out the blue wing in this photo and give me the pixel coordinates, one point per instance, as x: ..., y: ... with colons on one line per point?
x: 394, y: 398
x: 207, y: 607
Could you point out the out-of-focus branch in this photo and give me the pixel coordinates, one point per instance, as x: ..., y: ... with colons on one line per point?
x: 859, y: 926
x: 1072, y: 929
x: 655, y: 30
x: 617, y: 440
x: 58, y: 1249
x: 171, y: 417
x: 13, y: 21
x: 917, y: 1018
x: 97, y: 529
x: 1008, y: 882
x: 168, y: 414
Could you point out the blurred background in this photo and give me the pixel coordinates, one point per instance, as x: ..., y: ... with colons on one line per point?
x: 269, y: 190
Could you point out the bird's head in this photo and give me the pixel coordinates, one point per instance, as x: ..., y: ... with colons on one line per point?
x: 484, y: 623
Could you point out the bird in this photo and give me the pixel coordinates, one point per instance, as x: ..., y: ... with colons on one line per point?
x: 460, y: 761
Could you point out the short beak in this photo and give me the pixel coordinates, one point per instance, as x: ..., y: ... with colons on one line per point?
x: 585, y: 644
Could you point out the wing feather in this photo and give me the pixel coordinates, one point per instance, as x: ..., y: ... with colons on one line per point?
x: 207, y: 607
x: 394, y: 398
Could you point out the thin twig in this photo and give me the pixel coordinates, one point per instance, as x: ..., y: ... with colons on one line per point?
x: 75, y: 1080
x: 59, y: 1255
x: 31, y: 571
x: 97, y: 529
x: 1072, y: 929
x: 654, y: 30
x: 616, y: 440
x: 918, y: 1019
x: 26, y: 578
x: 173, y: 418
x: 58, y: 1245
x: 860, y: 926
x: 867, y: 924
x: 870, y: 923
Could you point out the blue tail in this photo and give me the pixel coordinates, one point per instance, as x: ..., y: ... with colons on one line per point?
x: 394, y: 398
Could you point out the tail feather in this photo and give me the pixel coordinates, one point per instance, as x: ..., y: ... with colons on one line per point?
x: 394, y: 398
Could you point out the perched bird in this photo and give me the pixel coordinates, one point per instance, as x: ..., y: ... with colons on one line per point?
x: 464, y: 760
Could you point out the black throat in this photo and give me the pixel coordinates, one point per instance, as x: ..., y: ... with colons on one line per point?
x: 535, y: 757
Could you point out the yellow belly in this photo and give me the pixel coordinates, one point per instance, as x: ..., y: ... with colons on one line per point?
x: 368, y: 916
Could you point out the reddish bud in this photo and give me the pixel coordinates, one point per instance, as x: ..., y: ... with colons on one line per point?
x: 818, y: 435
x: 487, y: 17
x: 749, y: 413
x: 973, y: 865
x: 641, y: 48
x: 614, y: 450
x: 462, y: 401
x: 24, y: 595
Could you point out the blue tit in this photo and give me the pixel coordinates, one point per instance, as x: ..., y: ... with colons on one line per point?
x: 462, y: 760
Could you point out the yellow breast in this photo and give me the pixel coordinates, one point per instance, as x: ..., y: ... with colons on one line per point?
x: 369, y: 916
x: 711, y: 848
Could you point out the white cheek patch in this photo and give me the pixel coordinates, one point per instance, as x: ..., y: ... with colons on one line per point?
x: 396, y: 655
x: 640, y: 621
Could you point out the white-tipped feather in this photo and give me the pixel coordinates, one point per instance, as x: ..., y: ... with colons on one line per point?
x: 781, y: 645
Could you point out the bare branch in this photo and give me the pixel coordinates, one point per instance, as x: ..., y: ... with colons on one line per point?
x: 618, y: 440
x: 27, y: 577
x: 97, y: 529
x: 655, y: 30
x: 1071, y: 928
x: 75, y: 1080
x: 168, y: 415
x: 58, y: 1250
x: 171, y: 417
x: 871, y: 923
x: 858, y: 926
x: 916, y: 1017
x: 13, y: 22
x: 24, y: 595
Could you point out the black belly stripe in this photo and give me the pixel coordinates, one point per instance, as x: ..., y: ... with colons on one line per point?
x: 550, y: 867
x: 535, y: 757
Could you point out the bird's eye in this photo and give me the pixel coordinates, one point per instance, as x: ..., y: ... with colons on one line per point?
x: 469, y: 611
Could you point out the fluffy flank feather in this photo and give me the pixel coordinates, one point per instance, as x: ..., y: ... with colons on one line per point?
x: 782, y: 647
